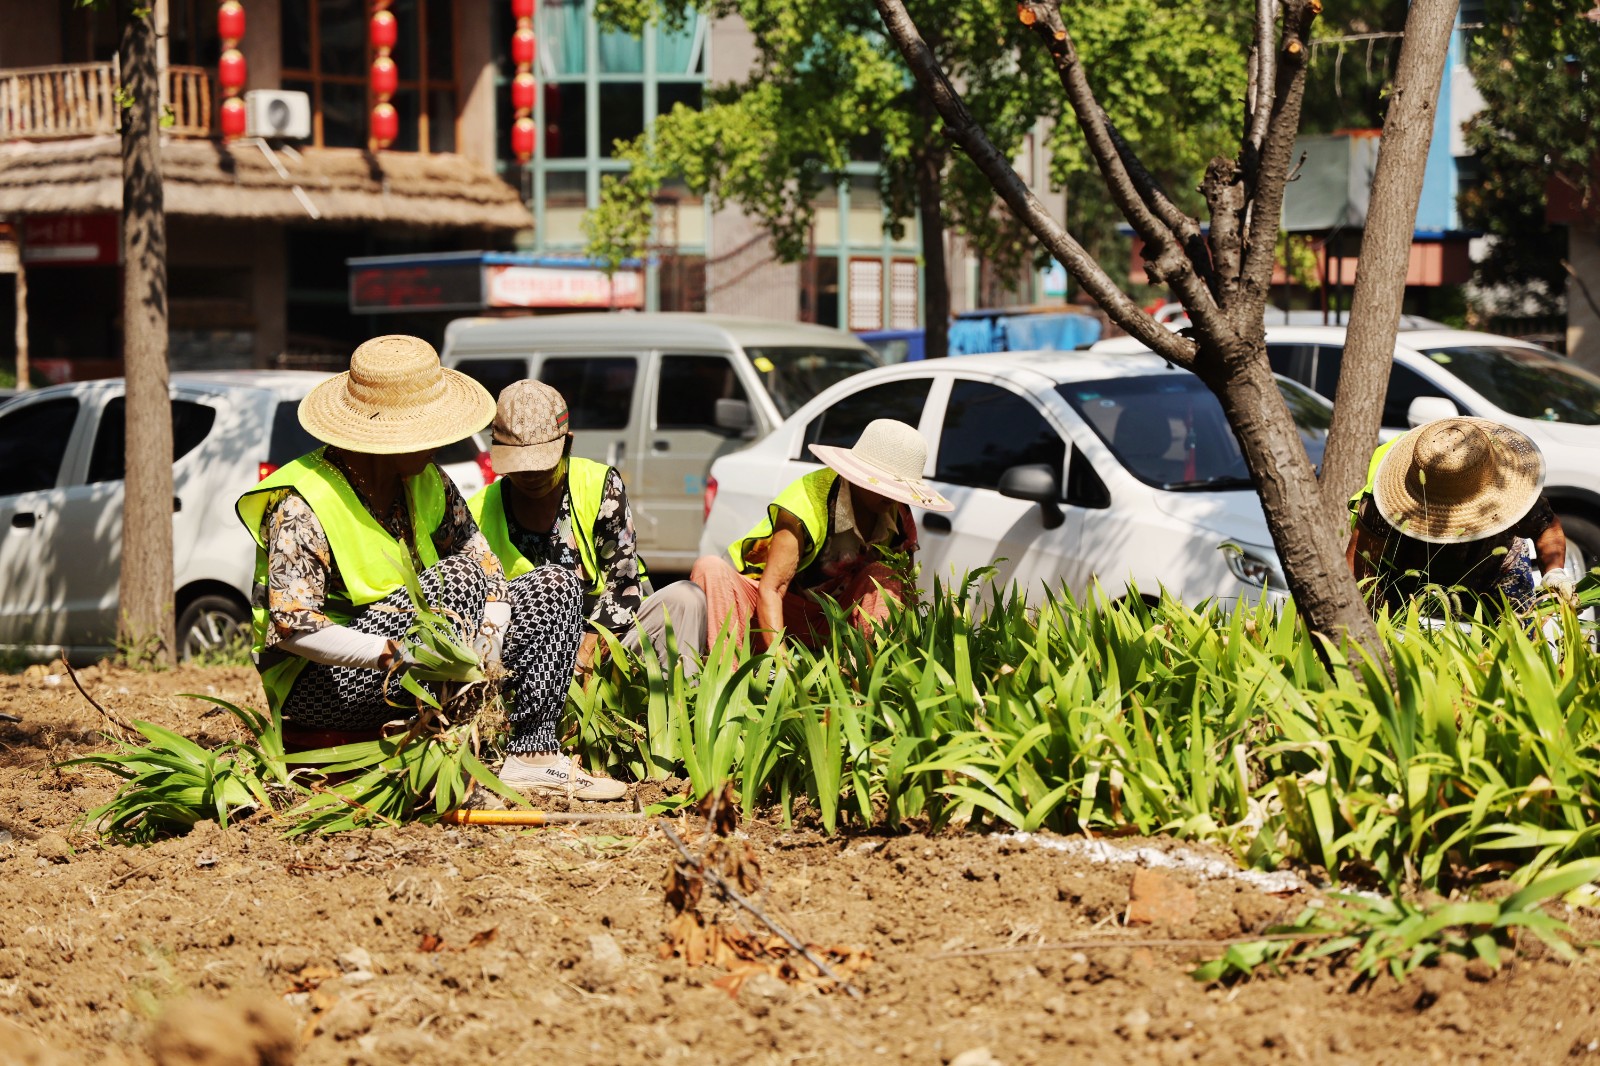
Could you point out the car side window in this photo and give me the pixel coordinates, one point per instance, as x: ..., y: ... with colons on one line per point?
x: 987, y: 430
x: 494, y: 374
x: 598, y: 391
x: 1405, y: 385
x: 690, y: 386
x: 841, y: 424
x: 33, y: 442
x: 1084, y: 487
x: 108, y: 461
x: 1325, y: 381
x: 1297, y: 361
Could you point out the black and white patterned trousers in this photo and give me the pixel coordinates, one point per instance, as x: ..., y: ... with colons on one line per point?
x: 541, y: 646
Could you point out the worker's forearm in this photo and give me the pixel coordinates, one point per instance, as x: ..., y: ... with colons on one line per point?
x: 1551, y: 547
x: 769, y: 618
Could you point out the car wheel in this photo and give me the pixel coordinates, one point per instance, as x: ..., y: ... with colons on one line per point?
x: 212, y: 625
x: 1583, y: 543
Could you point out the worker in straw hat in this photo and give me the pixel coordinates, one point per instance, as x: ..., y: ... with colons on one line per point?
x: 334, y: 531
x: 832, y: 532
x: 552, y: 507
x: 1451, y: 506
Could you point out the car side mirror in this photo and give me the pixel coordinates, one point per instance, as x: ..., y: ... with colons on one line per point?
x: 734, y: 416
x: 1426, y: 409
x: 1038, y: 483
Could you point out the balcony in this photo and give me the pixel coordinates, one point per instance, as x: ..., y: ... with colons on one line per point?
x: 79, y: 100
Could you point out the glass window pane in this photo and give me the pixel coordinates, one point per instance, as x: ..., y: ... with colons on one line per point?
x: 561, y: 27
x: 679, y: 51
x: 566, y: 188
x: 599, y: 392
x: 342, y: 35
x: 441, y: 120
x: 841, y: 424
x: 669, y: 94
x: 988, y: 430
x: 33, y: 441
x: 344, y: 115
x: 1325, y: 380
x: 289, y: 439
x: 441, y: 41
x: 494, y: 374
x: 866, y: 294
x: 566, y: 116
x: 621, y: 54
x: 1168, y: 431
x: 405, y: 105
x: 1525, y: 382
x: 690, y: 387
x: 406, y: 50
x: 793, y: 376
x: 295, y: 33
x: 621, y: 115
x: 1405, y: 385
x: 190, y: 423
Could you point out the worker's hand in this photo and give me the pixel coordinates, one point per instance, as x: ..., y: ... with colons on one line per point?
x: 490, y: 640
x: 393, y: 656
x: 1558, y: 583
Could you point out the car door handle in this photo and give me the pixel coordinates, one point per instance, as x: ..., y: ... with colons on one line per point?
x: 177, y: 504
x: 24, y: 520
x: 615, y: 453
x: 936, y: 523
x: 659, y: 446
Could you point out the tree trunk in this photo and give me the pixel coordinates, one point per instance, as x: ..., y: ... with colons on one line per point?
x: 146, y: 617
x: 935, y: 271
x: 1385, y: 255
x: 24, y: 372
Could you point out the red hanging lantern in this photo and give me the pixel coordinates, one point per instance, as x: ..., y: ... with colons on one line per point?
x: 385, y: 124
x: 385, y: 77
x: 523, y: 91
x: 522, y: 48
x: 231, y: 70
x: 230, y: 20
x: 522, y: 9
x: 232, y: 119
x: 523, y: 133
x: 383, y: 31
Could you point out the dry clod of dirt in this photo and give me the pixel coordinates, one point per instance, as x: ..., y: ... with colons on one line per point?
x: 347, y: 1019
x: 978, y: 1056
x: 604, y: 968
x: 236, y: 1032
x: 53, y: 847
x: 1156, y: 898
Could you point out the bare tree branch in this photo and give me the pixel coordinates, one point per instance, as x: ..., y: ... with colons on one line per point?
x: 1223, y: 189
x: 964, y: 131
x: 1143, y: 204
x: 1265, y: 67
x: 1265, y: 192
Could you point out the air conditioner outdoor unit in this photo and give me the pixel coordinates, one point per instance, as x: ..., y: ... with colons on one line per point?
x: 277, y: 115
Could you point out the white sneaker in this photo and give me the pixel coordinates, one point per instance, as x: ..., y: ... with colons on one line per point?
x: 557, y: 775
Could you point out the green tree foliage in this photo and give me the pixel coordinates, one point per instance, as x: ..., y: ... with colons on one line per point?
x: 1534, y: 62
x: 1352, y: 64
x: 828, y: 88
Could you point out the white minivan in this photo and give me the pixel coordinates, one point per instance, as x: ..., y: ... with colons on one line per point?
x: 660, y: 396
x: 61, y: 489
x: 1064, y: 467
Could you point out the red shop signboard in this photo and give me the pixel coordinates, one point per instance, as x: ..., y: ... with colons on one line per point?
x: 71, y: 240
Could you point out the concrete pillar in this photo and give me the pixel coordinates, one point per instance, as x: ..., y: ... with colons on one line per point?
x: 269, y: 293
x: 475, y: 136
x: 262, y: 44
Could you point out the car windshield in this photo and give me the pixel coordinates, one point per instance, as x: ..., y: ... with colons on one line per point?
x: 1525, y: 382
x: 1170, y: 432
x: 792, y: 376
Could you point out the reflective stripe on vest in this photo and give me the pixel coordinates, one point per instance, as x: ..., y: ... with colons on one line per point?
x: 369, y: 559
x: 807, y: 499
x: 586, y: 484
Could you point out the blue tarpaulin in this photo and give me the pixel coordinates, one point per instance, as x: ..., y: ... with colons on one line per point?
x: 975, y: 333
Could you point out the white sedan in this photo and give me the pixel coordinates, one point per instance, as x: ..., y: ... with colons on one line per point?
x: 1064, y: 467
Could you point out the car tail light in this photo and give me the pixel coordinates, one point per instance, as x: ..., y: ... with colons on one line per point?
x: 486, y: 466
x: 265, y: 470
x: 711, y: 495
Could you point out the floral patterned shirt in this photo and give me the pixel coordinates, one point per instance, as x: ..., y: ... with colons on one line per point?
x: 300, y: 567
x: 615, y: 551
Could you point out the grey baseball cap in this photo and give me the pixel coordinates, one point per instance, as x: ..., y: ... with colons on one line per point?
x: 530, y: 428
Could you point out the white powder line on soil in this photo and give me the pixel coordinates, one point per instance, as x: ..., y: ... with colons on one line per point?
x: 1203, y: 866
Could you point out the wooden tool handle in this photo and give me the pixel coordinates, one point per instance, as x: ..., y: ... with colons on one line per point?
x: 461, y: 817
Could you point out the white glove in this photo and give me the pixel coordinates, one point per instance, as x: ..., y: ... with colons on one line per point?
x: 1559, y: 583
x: 491, y: 637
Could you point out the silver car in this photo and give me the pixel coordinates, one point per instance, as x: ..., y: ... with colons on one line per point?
x: 61, y: 471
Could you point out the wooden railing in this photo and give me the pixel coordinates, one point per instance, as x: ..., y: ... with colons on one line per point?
x: 80, y: 100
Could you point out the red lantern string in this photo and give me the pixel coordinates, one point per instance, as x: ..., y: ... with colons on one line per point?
x: 232, y: 70
x: 524, y: 48
x: 382, y: 32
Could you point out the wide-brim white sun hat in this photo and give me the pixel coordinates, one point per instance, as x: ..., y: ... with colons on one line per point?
x: 887, y: 459
x: 1458, y: 479
x: 394, y: 399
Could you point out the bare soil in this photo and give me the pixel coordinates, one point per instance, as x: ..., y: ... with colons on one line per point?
x: 474, y: 945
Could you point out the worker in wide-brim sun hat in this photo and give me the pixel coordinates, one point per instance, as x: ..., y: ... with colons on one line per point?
x: 1453, y: 506
x: 845, y: 531
x: 338, y: 530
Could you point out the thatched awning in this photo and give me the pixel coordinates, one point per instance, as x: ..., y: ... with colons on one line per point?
x: 207, y: 179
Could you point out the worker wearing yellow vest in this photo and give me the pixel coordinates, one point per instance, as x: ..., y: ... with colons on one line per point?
x: 826, y: 534
x: 1452, y: 507
x: 334, y: 531
x: 549, y: 507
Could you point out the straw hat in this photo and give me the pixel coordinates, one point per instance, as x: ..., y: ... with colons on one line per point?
x: 395, y: 398
x: 888, y: 460
x: 530, y: 428
x: 1458, y: 479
